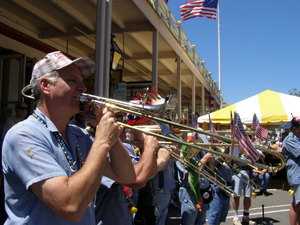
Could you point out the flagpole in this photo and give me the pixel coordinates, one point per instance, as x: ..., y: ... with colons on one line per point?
x: 219, y: 47
x: 232, y: 123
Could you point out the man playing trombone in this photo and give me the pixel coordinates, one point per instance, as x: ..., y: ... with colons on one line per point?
x: 195, y: 190
x: 116, y: 202
x: 219, y: 206
x: 52, y: 169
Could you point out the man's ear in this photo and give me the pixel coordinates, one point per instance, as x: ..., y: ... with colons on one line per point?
x: 45, y: 85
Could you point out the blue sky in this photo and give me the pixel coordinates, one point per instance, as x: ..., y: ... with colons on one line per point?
x: 260, y: 45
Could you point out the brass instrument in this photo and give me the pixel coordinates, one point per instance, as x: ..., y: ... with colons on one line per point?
x: 212, y: 177
x: 152, y: 111
x: 215, y: 180
x: 166, y: 110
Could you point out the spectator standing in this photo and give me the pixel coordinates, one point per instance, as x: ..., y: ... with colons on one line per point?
x: 291, y: 150
x: 242, y: 188
x: 262, y: 177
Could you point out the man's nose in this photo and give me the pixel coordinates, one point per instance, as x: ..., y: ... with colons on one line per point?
x: 82, y: 87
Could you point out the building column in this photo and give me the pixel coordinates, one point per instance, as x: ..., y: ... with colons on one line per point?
x: 194, y: 94
x: 103, y: 40
x: 179, y: 87
x: 202, y: 100
x: 155, y: 59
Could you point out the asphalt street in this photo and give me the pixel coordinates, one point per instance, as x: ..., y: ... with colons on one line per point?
x: 266, y: 210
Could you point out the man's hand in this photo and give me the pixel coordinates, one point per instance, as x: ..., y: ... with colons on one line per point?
x: 92, y: 113
x: 155, y: 98
x: 209, y: 159
x: 151, y: 143
x: 164, y: 154
x: 108, y: 131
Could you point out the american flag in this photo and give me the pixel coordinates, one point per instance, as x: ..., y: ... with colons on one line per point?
x: 261, y: 132
x: 199, y: 8
x: 244, y: 140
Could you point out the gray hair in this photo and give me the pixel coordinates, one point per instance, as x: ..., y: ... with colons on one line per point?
x: 36, y: 91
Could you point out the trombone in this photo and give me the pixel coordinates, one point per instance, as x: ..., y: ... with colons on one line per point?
x: 221, y: 183
x: 192, y: 153
x: 115, y: 107
x: 167, y: 110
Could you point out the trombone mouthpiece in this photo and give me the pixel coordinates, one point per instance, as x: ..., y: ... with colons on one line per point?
x: 82, y: 98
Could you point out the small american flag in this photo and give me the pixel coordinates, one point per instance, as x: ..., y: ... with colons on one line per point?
x: 199, y: 8
x: 261, y: 132
x: 244, y: 140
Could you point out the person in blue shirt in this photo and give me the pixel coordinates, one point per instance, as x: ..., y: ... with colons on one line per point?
x: 113, y: 203
x: 219, y: 206
x: 164, y: 184
x: 52, y: 169
x: 192, y: 209
x: 262, y: 177
x: 291, y: 150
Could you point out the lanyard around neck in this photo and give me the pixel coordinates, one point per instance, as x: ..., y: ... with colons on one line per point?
x: 72, y: 163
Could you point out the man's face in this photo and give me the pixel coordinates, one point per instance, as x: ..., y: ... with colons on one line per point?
x: 296, y: 131
x: 139, y: 137
x: 68, y: 86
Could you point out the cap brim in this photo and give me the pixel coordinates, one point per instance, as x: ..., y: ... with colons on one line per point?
x: 287, y: 125
x: 85, y: 64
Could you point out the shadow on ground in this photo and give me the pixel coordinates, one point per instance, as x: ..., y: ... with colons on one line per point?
x: 265, y: 221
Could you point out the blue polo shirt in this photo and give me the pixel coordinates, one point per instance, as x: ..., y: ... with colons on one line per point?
x: 32, y: 154
x: 165, y: 179
x: 291, y: 146
x: 112, y: 207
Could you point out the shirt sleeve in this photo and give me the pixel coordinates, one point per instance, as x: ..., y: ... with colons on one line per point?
x: 133, y: 156
x: 32, y: 157
x: 293, y: 146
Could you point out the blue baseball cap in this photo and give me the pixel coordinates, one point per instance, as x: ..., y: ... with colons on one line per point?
x: 295, y: 122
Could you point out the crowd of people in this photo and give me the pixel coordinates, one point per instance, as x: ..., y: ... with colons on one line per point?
x: 55, y: 171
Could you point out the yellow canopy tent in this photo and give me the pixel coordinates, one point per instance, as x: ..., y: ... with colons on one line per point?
x: 271, y: 108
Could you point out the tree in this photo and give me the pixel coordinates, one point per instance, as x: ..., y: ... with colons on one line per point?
x: 294, y: 91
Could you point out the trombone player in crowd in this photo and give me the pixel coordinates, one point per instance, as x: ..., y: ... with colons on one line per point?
x: 195, y: 192
x: 52, y: 169
x: 116, y: 202
x: 291, y: 150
